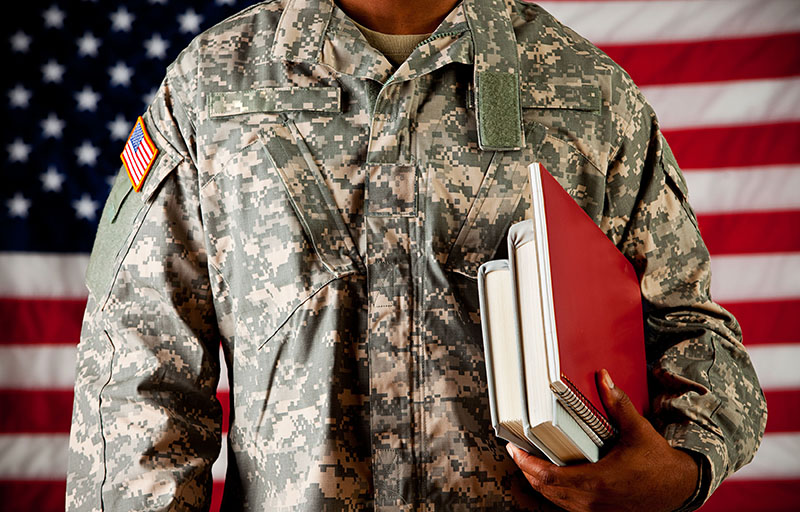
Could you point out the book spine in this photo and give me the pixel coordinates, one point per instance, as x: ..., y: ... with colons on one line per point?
x: 581, y: 423
x: 582, y: 410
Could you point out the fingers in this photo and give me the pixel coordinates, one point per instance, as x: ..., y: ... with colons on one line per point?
x: 540, y: 473
x: 618, y: 405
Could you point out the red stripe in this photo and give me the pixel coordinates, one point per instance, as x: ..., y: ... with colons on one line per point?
x: 38, y: 495
x: 731, y: 496
x: 749, y: 233
x: 49, y: 496
x: 768, y: 321
x: 145, y: 147
x: 142, y: 161
x: 50, y: 411
x: 783, y: 408
x: 132, y: 165
x: 136, y: 163
x: 41, y: 321
x: 755, y: 496
x: 216, y: 496
x: 35, y: 412
x: 736, y: 146
x: 750, y: 58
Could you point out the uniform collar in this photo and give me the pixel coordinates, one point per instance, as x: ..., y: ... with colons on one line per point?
x: 477, y: 32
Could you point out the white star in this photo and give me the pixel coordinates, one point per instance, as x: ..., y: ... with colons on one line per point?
x: 190, y: 21
x: 122, y: 20
x: 20, y: 42
x: 156, y: 47
x: 148, y: 98
x: 87, y: 99
x: 52, y: 127
x: 18, y: 151
x: 18, y: 206
x: 53, y: 17
x: 19, y: 96
x: 52, y: 180
x: 87, y: 153
x: 119, y: 128
x: 110, y: 180
x: 225, y: 2
x: 88, y: 45
x: 85, y: 208
x: 120, y: 74
x: 52, y: 72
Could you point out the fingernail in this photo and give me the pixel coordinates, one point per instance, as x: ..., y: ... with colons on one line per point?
x: 607, y: 379
x: 510, y: 450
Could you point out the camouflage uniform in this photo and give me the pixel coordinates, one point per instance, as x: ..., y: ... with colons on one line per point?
x: 324, y: 216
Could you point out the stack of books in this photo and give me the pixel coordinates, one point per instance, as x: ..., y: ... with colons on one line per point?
x: 565, y: 304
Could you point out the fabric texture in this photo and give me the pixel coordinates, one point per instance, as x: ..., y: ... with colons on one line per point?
x: 395, y: 47
x: 328, y: 232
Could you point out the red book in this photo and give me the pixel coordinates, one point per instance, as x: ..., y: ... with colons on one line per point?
x: 596, y: 308
x: 597, y: 301
x: 571, y: 306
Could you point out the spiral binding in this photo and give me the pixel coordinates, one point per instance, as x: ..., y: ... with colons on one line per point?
x: 576, y: 402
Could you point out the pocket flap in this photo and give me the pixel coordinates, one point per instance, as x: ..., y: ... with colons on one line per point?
x: 549, y: 95
x: 274, y: 99
x: 495, y: 206
x: 310, y: 198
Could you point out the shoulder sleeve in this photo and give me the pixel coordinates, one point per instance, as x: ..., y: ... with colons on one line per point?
x: 146, y: 422
x: 705, y: 395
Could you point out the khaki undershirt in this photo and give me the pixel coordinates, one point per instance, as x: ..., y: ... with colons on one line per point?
x: 395, y: 47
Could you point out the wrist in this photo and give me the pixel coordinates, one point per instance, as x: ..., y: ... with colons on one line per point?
x: 691, y: 471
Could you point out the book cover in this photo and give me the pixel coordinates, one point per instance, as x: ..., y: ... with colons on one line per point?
x: 595, y: 299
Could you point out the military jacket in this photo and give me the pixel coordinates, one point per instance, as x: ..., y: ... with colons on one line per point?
x: 323, y: 216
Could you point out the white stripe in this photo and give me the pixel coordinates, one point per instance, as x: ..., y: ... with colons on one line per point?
x: 44, y: 457
x: 142, y: 161
x: 744, y: 189
x: 48, y: 367
x: 148, y: 153
x: 131, y: 163
x: 220, y: 465
x: 684, y: 20
x: 737, y: 278
x: 43, y: 275
x: 777, y: 365
x: 33, y: 456
x: 725, y: 103
x: 52, y: 367
x: 137, y: 163
x: 778, y: 458
x: 39, y: 367
x: 134, y: 164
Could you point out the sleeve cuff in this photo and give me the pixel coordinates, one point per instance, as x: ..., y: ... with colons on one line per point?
x: 708, y: 450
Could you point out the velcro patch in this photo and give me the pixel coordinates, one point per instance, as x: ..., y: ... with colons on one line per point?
x: 139, y: 154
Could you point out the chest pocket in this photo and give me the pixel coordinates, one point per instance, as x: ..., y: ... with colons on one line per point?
x: 500, y: 201
x: 121, y: 219
x: 277, y: 236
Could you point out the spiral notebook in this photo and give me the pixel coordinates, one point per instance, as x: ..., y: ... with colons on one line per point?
x: 566, y: 304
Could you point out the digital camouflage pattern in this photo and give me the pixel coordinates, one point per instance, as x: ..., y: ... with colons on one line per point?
x: 324, y: 216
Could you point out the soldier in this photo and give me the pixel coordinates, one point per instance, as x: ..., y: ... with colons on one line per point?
x: 321, y: 209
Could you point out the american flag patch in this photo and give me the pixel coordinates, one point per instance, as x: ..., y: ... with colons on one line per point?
x: 139, y: 154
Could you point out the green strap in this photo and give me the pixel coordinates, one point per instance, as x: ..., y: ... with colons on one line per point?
x: 496, y: 69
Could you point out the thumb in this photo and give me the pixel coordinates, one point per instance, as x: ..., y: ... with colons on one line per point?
x: 619, y: 407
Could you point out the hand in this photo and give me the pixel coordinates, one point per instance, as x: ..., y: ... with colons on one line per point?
x: 641, y: 472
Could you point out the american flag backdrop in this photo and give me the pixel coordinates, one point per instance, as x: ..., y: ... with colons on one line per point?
x: 723, y: 76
